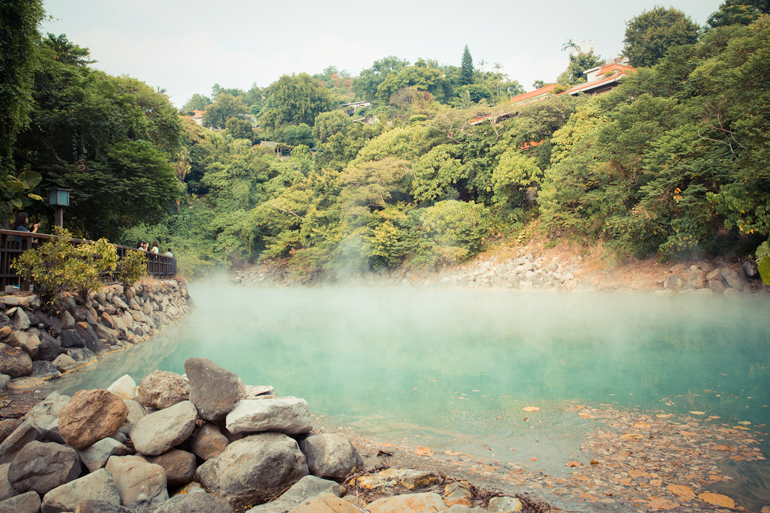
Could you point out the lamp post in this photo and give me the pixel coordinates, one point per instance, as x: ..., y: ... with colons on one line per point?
x: 59, y: 198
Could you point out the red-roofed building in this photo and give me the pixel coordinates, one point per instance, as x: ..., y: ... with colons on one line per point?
x: 532, y: 96
x: 198, y: 116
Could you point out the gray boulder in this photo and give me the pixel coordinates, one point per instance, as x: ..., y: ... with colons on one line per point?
x: 6, y: 490
x: 208, y: 442
x: 49, y: 346
x: 504, y: 505
x: 140, y: 483
x: 45, y: 415
x: 158, y: 432
x: 81, y: 354
x: 673, y: 282
x: 109, y: 335
x: 21, y: 436
x: 94, y: 506
x: 27, y: 342
x: 750, y: 268
x: 92, y: 341
x: 14, y: 362
x: 330, y: 456
x: 71, y: 338
x: 136, y: 412
x: 95, y: 456
x: 306, y: 488
x: 732, y: 278
x: 25, y: 503
x: 162, y: 389
x: 179, y: 466
x: 43, y: 369
x: 213, y: 389
x: 288, y: 415
x: 195, y: 503
x: 67, y: 321
x: 98, y: 485
x: 254, y: 470
x: 41, y: 467
x: 64, y: 362
x: 20, y: 319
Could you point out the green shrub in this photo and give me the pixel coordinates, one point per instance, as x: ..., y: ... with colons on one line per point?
x: 763, y: 261
x: 90, y: 260
x: 48, y: 266
x: 132, y: 267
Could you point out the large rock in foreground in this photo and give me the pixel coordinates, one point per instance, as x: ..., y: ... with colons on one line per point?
x: 409, y: 502
x: 162, y: 389
x: 254, y: 470
x: 95, y: 456
x: 331, y: 456
x: 25, y: 503
x: 14, y: 362
x: 213, y: 389
x: 90, y: 416
x: 330, y: 503
x: 306, y: 488
x: 288, y: 415
x: 40, y: 467
x: 158, y: 432
x: 140, y: 483
x: 98, y: 486
x: 179, y: 466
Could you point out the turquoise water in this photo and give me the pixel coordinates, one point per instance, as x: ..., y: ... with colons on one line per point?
x: 438, y: 367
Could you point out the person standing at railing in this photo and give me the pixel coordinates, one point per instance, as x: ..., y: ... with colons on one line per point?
x: 20, y: 225
x: 154, y: 248
x: 168, y: 253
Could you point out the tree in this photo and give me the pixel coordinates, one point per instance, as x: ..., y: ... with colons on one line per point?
x: 578, y: 64
x: 329, y: 123
x: 570, y: 45
x: 466, y: 65
x: 240, y: 129
x: 650, y: 35
x: 18, y: 36
x: 422, y: 78
x: 537, y: 84
x: 370, y: 79
x: 734, y: 12
x: 197, y: 102
x: 297, y: 99
x: 225, y: 107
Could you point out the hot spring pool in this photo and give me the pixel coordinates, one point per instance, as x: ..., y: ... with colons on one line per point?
x: 455, y: 368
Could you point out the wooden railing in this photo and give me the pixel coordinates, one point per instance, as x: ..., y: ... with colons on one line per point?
x: 14, y: 243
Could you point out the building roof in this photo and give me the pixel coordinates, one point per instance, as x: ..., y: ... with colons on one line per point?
x: 533, y: 94
x: 198, y: 113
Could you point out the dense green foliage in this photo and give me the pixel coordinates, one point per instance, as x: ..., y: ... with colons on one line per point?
x: 650, y: 35
x: 132, y: 267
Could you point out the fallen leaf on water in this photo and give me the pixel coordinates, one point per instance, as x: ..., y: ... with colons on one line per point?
x: 498, y: 418
x: 638, y: 473
x: 717, y: 499
x: 533, y: 459
x: 713, y: 417
x: 531, y: 408
x: 642, y: 425
x: 741, y: 427
x: 765, y: 509
x: 723, y: 447
x: 423, y: 451
x: 573, y: 463
x: 664, y: 415
x: 682, y: 491
x: 698, y: 412
x: 632, y: 436
x: 744, y: 423
x: 453, y: 453
x: 594, y: 462
x: 656, y: 482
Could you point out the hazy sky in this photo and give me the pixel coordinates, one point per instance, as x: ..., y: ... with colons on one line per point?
x: 188, y: 46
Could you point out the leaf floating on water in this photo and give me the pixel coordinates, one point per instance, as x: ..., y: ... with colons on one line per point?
x: 682, y: 491
x: 717, y: 499
x: 531, y: 408
x: 642, y: 425
x: 423, y: 451
x: 664, y: 415
x: 573, y: 463
x: 714, y: 417
x: 723, y: 447
x: 632, y: 436
x: 698, y: 412
x: 533, y: 459
x: 594, y: 462
x: 745, y: 423
x: 453, y: 453
x: 741, y: 427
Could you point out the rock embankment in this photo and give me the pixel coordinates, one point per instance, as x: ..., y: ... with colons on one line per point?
x: 37, y: 343
x: 199, y: 442
x: 537, y: 269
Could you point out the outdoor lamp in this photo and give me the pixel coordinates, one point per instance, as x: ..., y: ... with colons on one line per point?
x: 59, y: 198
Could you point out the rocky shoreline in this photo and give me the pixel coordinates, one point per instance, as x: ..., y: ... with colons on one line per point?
x: 204, y: 442
x: 37, y: 345
x: 535, y: 269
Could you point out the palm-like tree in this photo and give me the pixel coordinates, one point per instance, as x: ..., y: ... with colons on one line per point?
x: 570, y: 45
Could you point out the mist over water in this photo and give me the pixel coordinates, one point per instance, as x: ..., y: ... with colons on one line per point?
x: 438, y: 367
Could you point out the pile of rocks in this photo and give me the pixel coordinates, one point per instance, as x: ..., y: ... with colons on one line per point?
x: 706, y: 278
x: 202, y: 442
x: 527, y: 271
x: 35, y: 344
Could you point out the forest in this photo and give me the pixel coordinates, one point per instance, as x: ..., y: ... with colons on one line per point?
x: 671, y: 163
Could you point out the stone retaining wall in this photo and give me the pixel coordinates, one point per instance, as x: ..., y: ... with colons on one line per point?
x: 36, y: 343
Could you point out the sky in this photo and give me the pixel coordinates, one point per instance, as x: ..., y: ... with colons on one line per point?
x: 187, y: 46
